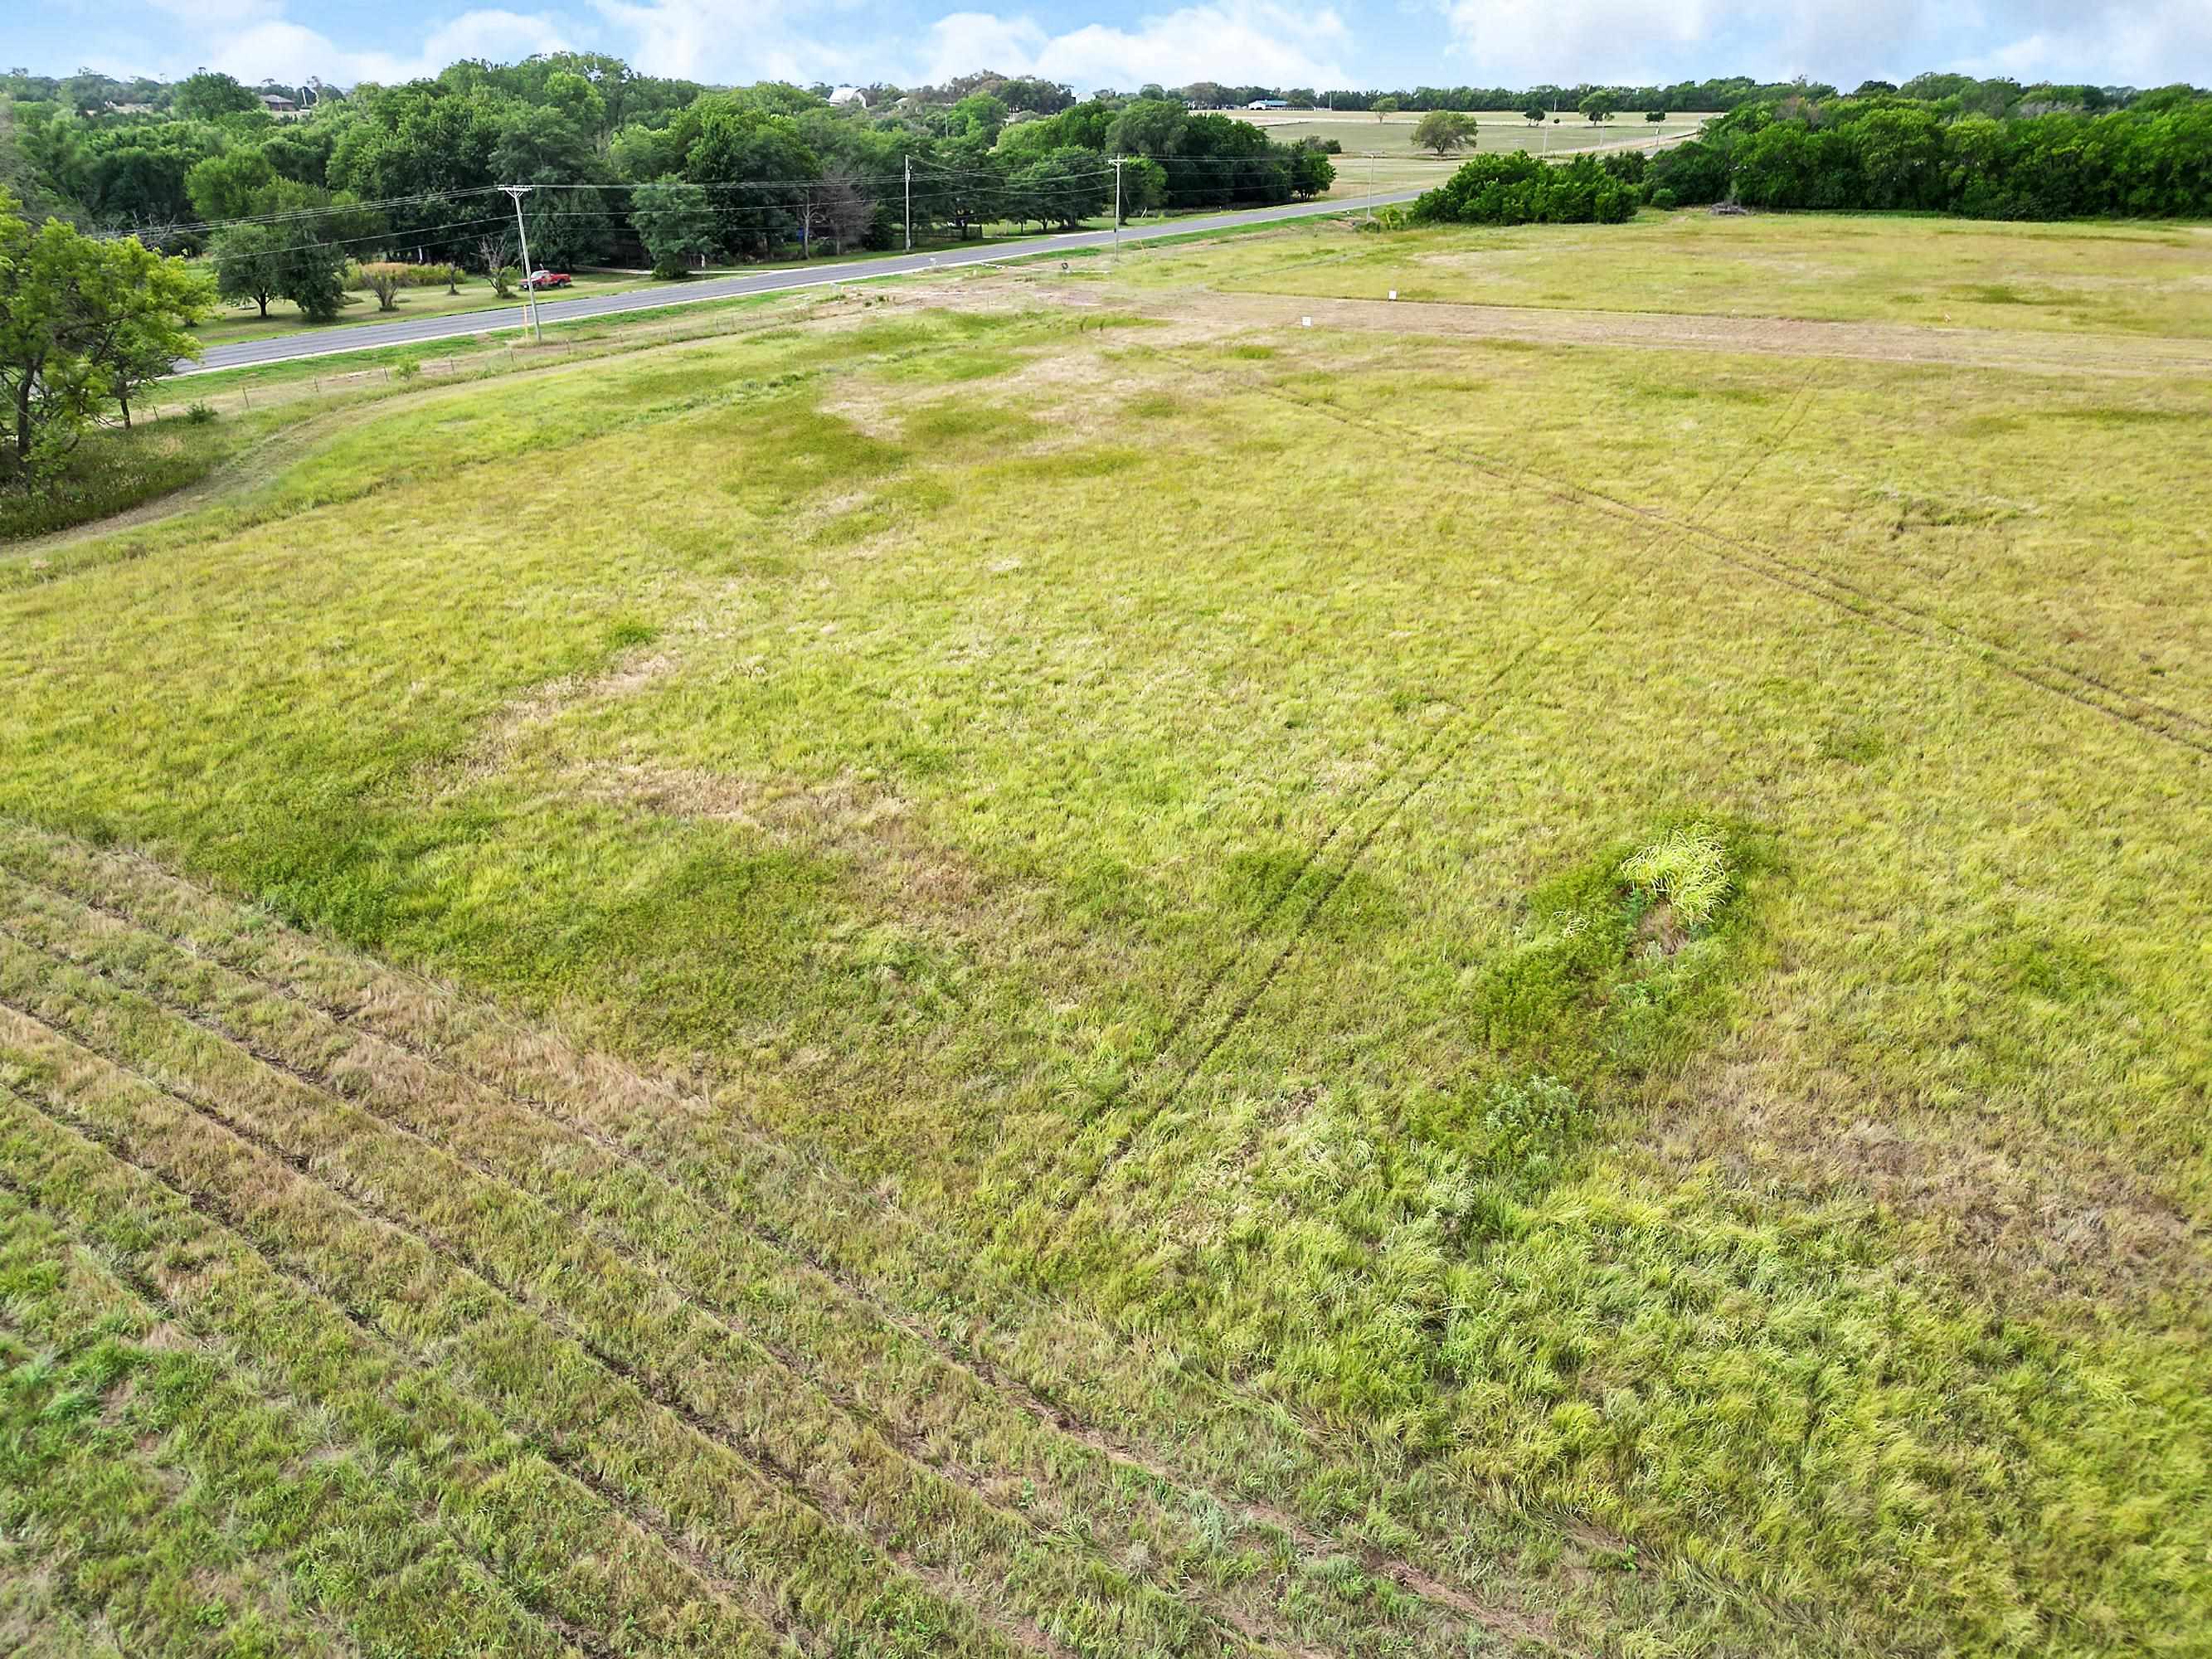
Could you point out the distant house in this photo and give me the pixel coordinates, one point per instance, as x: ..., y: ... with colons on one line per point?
x: 130, y: 109
x: 851, y: 97
x: 1268, y: 103
x: 277, y: 104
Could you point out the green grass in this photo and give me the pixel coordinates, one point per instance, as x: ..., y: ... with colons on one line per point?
x: 2089, y: 278
x: 112, y: 470
x: 946, y: 980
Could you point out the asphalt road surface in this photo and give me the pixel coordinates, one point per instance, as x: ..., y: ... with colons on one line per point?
x: 368, y: 337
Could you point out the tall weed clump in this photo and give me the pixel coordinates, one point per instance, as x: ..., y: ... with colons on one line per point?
x: 1686, y: 868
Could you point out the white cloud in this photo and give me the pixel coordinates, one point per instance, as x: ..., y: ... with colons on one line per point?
x: 1232, y: 40
x: 2139, y: 41
x: 739, y: 41
x: 271, y: 47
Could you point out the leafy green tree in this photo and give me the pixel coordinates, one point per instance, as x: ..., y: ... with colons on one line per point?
x: 1064, y: 187
x: 206, y: 96
x: 81, y: 323
x: 1600, y: 106
x: 1387, y: 105
x: 756, y: 169
x: 249, y: 265
x: 1148, y: 126
x: 1535, y: 114
x: 675, y: 222
x: 1145, y: 186
x: 979, y: 116
x: 1444, y: 131
x: 578, y: 102
x: 1311, y: 170
x: 225, y: 186
x: 294, y: 260
x: 1655, y: 116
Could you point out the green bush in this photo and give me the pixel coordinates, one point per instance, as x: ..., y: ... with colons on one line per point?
x: 405, y: 275
x: 1688, y: 868
x: 1517, y: 189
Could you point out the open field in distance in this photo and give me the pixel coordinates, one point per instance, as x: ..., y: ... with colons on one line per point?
x: 1043, y: 965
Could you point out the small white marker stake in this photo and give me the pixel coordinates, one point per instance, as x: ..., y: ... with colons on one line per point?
x: 1394, y: 293
x: 1305, y: 322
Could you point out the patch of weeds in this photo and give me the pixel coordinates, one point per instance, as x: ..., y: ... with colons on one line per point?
x: 1686, y: 870
x: 2123, y: 417
x: 1098, y: 461
x: 951, y: 367
x: 1614, y: 957
x: 1153, y: 406
x: 1249, y: 354
x: 1854, y: 743
x: 627, y: 633
x: 943, y: 424
x: 2053, y: 968
x: 1530, y: 1121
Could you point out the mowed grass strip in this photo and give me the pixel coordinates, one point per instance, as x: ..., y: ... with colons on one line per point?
x: 1025, y: 1469
x: 493, y: 1548
x: 620, y: 1306
x: 1247, y: 1470
x: 108, y: 1511
x: 627, y: 1431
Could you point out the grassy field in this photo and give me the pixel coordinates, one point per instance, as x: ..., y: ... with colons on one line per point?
x: 1056, y: 967
x: 1379, y: 155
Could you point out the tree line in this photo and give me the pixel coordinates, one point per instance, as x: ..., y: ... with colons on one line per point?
x: 2151, y: 158
x: 621, y: 166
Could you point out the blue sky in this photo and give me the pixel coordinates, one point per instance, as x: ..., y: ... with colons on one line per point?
x: 1093, y: 43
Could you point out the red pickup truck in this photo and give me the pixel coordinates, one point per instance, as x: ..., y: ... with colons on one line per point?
x: 546, y: 279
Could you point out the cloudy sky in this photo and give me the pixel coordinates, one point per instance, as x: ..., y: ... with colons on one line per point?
x: 1093, y: 43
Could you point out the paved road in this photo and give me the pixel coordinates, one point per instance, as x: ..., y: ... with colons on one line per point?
x: 368, y: 337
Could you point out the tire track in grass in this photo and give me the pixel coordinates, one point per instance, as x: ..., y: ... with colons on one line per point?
x: 211, y: 1214
x: 778, y: 1480
x: 2046, y: 673
x: 1260, y: 1628
x: 1071, y: 1198
x: 1240, y: 1009
x: 377, y: 993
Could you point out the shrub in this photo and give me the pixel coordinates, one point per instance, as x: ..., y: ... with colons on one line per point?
x: 361, y: 275
x: 1519, y: 188
x: 1663, y: 199
x: 1688, y: 868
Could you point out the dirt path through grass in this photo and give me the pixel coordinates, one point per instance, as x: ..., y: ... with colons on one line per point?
x: 1773, y: 336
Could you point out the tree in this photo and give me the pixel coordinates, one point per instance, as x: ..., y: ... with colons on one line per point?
x: 149, y: 338
x: 82, y: 323
x: 675, y: 222
x: 248, y: 261
x: 1144, y: 186
x: 980, y: 116
x: 1655, y: 115
x: 1535, y: 115
x: 1063, y: 187
x: 1385, y: 106
x: 1444, y: 131
x: 226, y: 186
x: 207, y: 96
x: 847, y: 209
x: 1599, y: 106
x: 255, y: 264
x: 1311, y: 170
x: 385, y: 284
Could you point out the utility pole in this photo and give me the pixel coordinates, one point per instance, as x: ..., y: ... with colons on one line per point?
x: 529, y: 294
x: 1371, y: 186
x: 1117, y: 205
x: 910, y: 205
